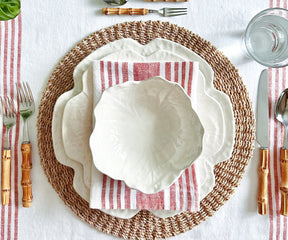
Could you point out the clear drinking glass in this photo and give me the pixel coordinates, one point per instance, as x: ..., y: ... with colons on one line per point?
x: 266, y: 37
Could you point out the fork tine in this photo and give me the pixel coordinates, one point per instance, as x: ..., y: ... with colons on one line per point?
x: 177, y: 12
x: 173, y: 15
x: 6, y: 108
x: 30, y: 92
x: 8, y: 104
x: 12, y: 107
x: 177, y: 9
x: 26, y: 92
x: 20, y: 93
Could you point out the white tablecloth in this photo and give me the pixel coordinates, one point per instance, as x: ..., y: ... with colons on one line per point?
x: 31, y: 46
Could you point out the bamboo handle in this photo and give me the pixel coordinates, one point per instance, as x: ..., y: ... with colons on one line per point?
x: 284, y: 181
x: 6, y: 166
x: 124, y: 11
x: 262, y: 186
x: 26, y: 175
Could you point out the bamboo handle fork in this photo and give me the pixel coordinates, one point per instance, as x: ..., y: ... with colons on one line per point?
x: 166, y: 12
x: 9, y: 120
x: 26, y: 109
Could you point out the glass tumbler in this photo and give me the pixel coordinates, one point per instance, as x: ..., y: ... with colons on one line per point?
x: 266, y: 37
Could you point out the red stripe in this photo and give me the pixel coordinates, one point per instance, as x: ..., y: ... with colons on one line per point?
x: 111, y: 205
x: 125, y: 72
x: 270, y: 199
x: 183, y: 72
x: 12, y: 96
x: 104, y: 179
x: 181, y: 194
x: 176, y: 69
x: 119, y: 194
x: 17, y: 130
x: 275, y: 159
x: 117, y: 72
x: 194, y: 179
x: 168, y: 71
x: 102, y: 76
x: 188, y: 186
x: 189, y: 88
x: 109, y: 69
x: 271, y: 3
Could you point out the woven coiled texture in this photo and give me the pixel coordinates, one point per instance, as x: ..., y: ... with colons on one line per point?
x: 228, y: 174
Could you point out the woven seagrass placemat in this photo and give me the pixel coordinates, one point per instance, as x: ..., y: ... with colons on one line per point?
x: 228, y: 174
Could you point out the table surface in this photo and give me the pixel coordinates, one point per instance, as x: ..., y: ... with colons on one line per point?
x: 33, y: 44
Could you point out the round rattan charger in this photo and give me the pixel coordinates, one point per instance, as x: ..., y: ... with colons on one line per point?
x: 228, y: 174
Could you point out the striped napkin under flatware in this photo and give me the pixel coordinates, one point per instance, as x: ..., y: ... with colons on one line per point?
x: 108, y: 193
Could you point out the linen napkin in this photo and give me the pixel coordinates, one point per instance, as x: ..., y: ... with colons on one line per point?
x: 108, y: 193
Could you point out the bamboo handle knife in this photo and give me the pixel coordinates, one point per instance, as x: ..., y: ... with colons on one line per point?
x: 262, y: 187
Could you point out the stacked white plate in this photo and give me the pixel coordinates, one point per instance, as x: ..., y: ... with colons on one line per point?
x: 73, y: 115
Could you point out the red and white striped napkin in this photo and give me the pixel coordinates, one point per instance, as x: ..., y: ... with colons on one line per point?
x: 108, y: 193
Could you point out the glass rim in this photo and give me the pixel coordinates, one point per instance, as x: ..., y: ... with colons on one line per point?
x: 276, y: 65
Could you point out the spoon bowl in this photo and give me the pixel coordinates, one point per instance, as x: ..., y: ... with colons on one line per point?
x: 115, y: 2
x: 281, y: 113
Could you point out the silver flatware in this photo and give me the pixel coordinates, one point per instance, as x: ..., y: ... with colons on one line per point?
x: 281, y: 114
x: 115, y: 2
x: 166, y: 12
x: 26, y: 109
x: 9, y: 120
x: 262, y: 138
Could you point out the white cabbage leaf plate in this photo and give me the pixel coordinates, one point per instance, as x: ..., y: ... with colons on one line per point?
x: 146, y: 133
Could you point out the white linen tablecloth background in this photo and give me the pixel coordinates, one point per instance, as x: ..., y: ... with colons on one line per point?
x: 45, y: 32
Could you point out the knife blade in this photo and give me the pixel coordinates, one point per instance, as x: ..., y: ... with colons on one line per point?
x: 262, y: 118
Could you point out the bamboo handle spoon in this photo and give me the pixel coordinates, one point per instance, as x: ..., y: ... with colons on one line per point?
x: 281, y: 114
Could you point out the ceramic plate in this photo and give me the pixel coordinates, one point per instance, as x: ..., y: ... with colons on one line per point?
x: 146, y: 133
x: 204, y: 102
